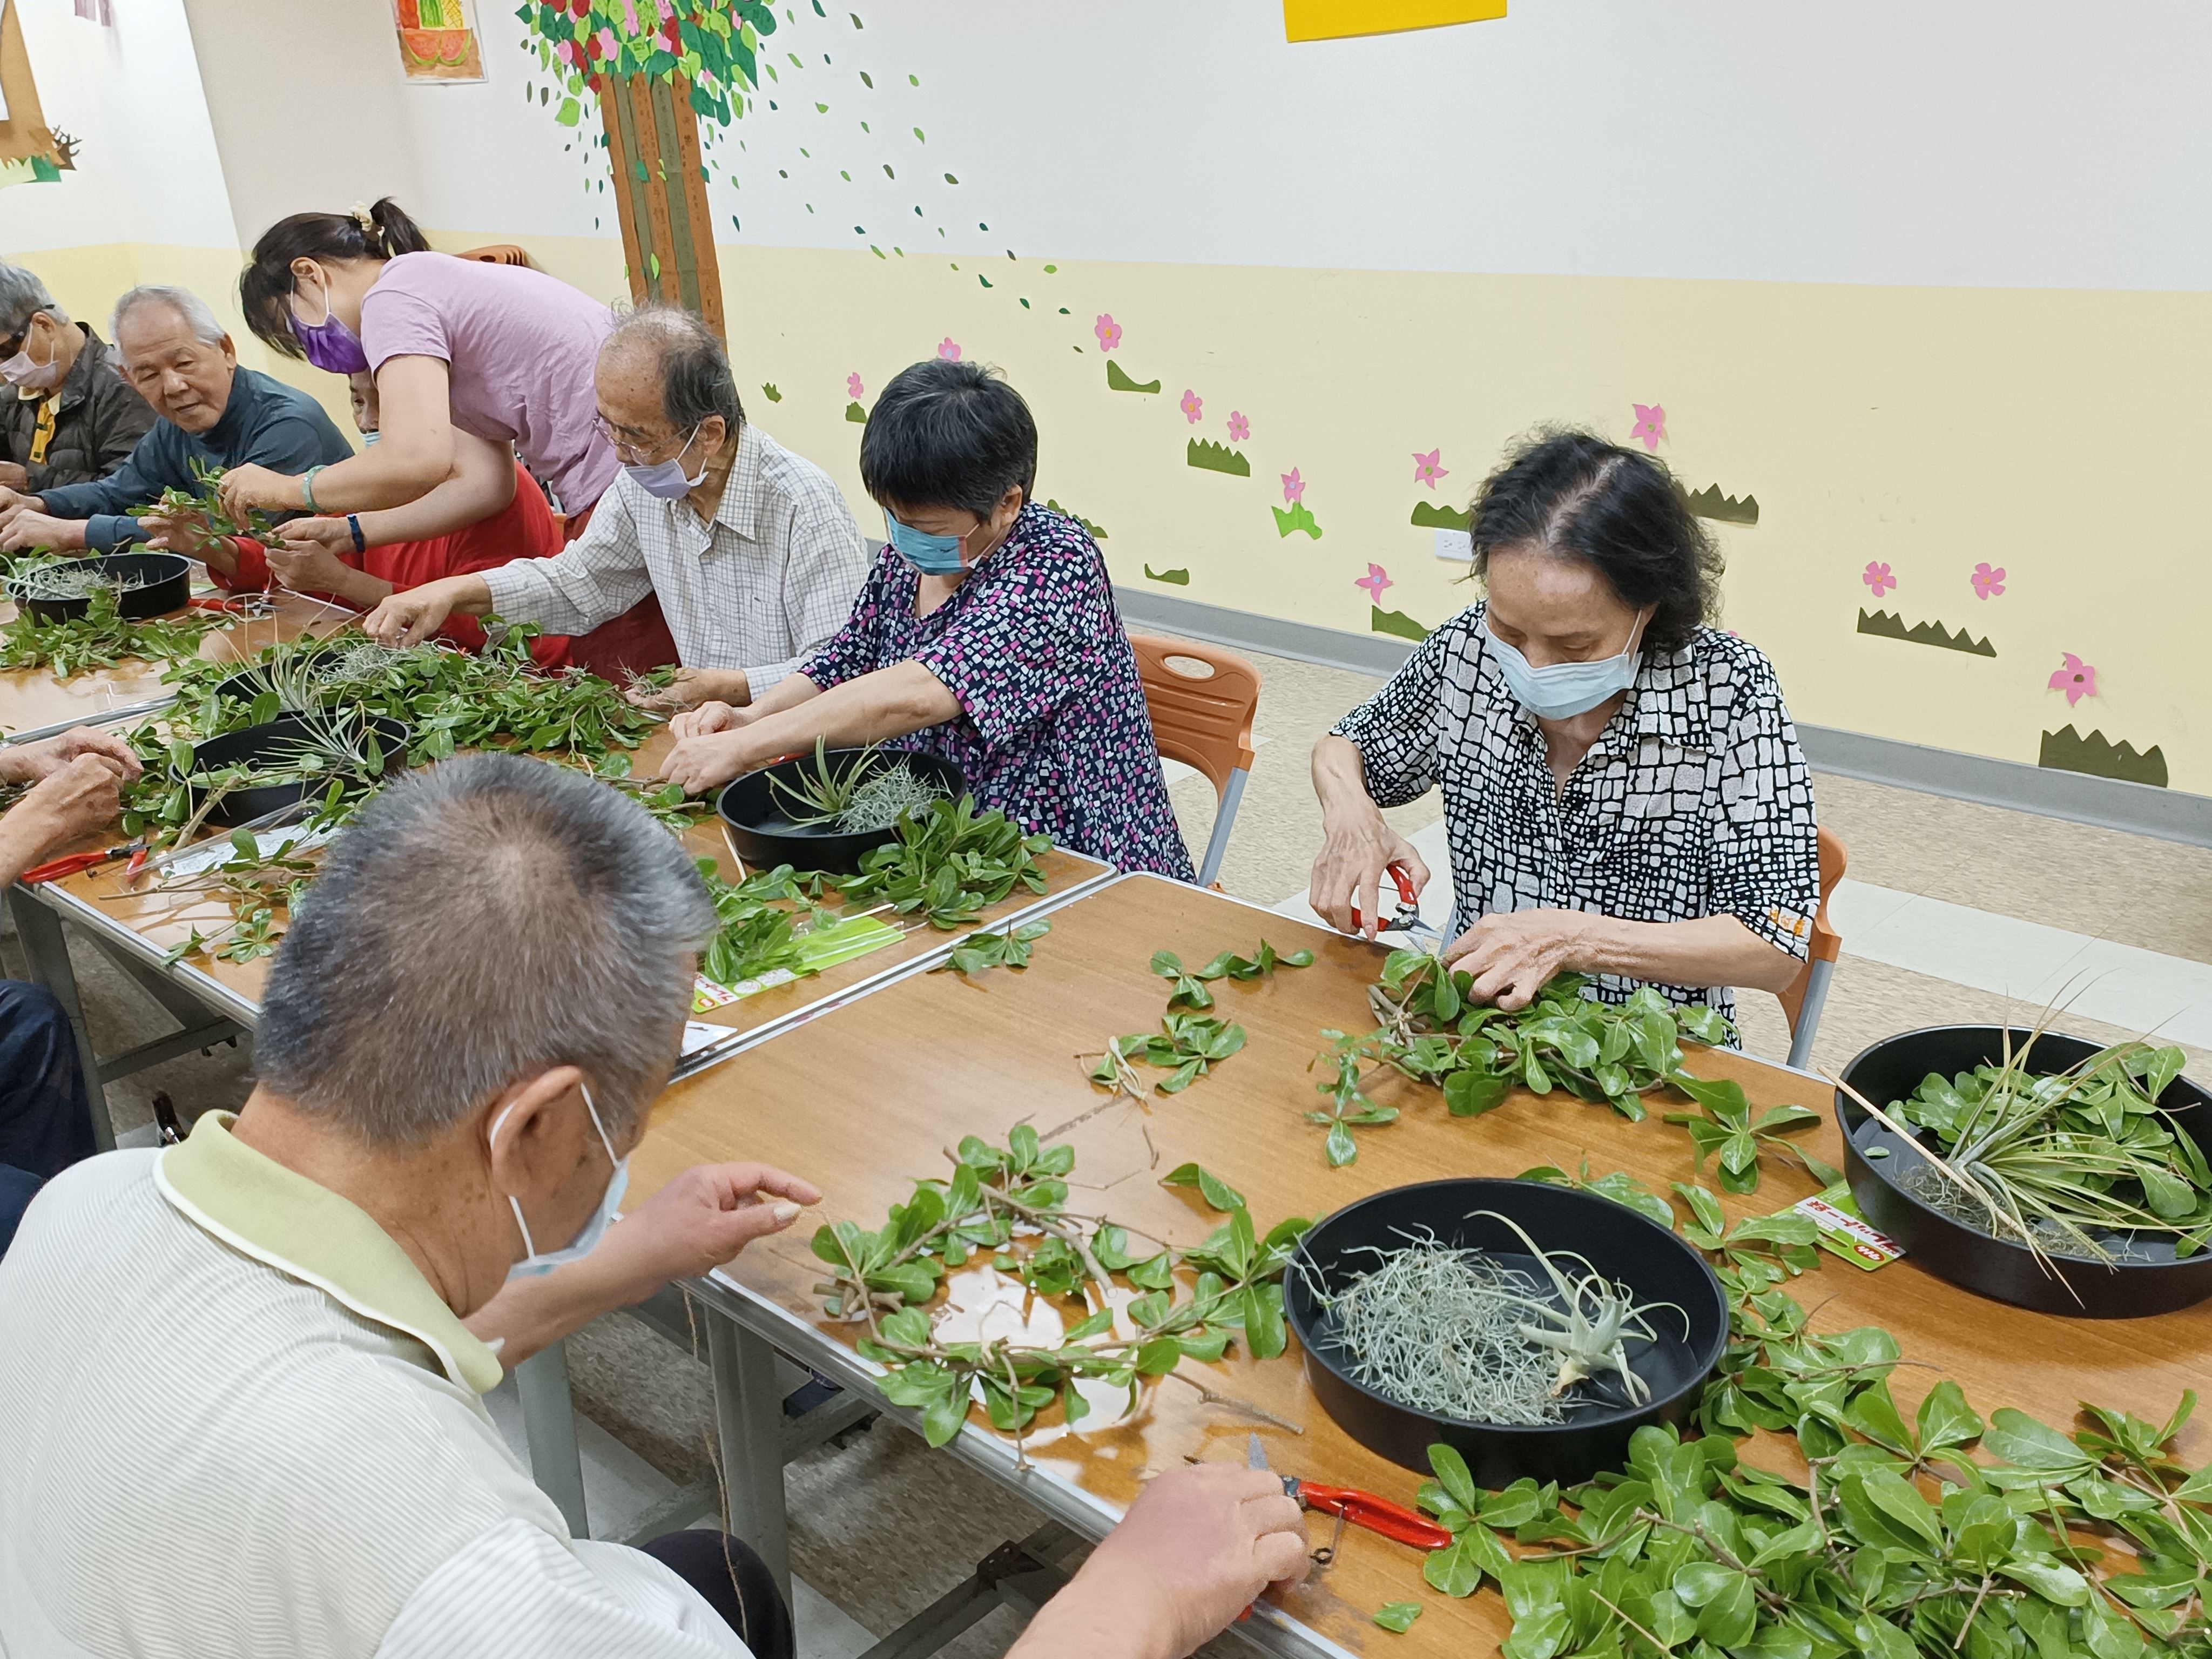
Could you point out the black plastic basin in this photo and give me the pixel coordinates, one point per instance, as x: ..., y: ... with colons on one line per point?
x: 256, y: 743
x: 163, y: 583
x: 759, y: 819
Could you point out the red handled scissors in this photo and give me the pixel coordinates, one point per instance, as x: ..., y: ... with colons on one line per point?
x: 1349, y: 1503
x: 1408, y: 920
x: 54, y: 869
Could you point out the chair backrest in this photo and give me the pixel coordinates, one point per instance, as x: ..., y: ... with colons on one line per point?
x: 1827, y: 943
x: 499, y: 254
x: 1202, y: 699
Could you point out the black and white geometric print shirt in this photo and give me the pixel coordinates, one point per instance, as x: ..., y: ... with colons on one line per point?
x: 1694, y: 801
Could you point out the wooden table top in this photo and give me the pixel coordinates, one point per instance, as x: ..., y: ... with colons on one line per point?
x: 863, y: 1101
x: 166, y: 920
x: 33, y: 700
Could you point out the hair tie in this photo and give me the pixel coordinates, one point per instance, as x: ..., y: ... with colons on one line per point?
x: 363, y: 218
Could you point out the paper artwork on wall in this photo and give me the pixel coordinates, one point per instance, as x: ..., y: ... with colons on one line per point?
x: 438, y: 40
x: 1212, y: 457
x: 2076, y: 679
x: 1117, y: 381
x: 769, y: 392
x: 1294, y: 487
x: 1891, y: 626
x: 1711, y: 503
x: 2068, y: 750
x: 1379, y: 621
x: 1108, y: 330
x: 1193, y: 406
x: 1297, y: 516
x: 1877, y: 576
x: 1096, y: 532
x: 1338, y: 20
x: 1374, y: 582
x: 1178, y: 578
x: 1425, y: 469
x: 1434, y: 515
x: 29, y: 150
x: 1239, y: 428
x: 101, y: 12
x: 856, y: 415
x: 1650, y: 425
x: 1988, y: 582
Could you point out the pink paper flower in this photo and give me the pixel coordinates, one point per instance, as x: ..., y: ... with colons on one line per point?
x: 1374, y: 581
x: 948, y: 350
x: 1108, y: 330
x: 2078, y: 679
x: 1239, y: 428
x: 608, y: 45
x: 852, y: 386
x: 1294, y: 487
x: 1876, y: 575
x: 1650, y: 425
x: 629, y: 17
x: 1988, y: 583
x: 1194, y: 406
x: 1425, y: 469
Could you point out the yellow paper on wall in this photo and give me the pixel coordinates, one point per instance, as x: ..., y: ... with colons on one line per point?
x: 1335, y: 20
x: 23, y: 132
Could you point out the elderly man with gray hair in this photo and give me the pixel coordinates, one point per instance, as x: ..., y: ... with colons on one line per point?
x: 239, y: 1376
x: 72, y: 418
x: 181, y: 362
x: 751, y: 550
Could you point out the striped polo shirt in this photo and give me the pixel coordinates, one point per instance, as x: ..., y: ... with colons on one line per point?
x: 235, y: 1419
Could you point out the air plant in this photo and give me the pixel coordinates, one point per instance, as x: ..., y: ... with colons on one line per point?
x: 342, y: 747
x: 70, y: 580
x: 867, y: 793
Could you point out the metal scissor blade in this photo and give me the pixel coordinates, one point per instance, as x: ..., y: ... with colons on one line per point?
x: 1255, y: 1455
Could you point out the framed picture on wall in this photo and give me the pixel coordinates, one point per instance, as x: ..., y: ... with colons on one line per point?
x: 438, y: 40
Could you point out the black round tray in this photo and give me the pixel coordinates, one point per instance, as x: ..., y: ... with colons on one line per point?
x: 765, y: 837
x: 2153, y: 1281
x: 164, y: 583
x: 243, y: 806
x: 1618, y: 1243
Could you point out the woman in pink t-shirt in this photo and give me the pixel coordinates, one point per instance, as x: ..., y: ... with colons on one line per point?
x: 473, y: 362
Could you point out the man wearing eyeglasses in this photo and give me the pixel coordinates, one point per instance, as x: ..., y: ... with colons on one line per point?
x: 72, y: 417
x: 751, y: 549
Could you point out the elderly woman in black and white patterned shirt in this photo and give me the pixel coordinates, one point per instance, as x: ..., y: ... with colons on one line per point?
x: 1624, y: 795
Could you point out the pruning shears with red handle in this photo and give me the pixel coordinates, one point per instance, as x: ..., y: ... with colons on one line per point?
x: 1352, y: 1504
x: 74, y: 863
x: 1408, y: 920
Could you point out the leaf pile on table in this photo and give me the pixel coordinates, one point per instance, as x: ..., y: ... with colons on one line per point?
x: 1005, y: 1208
x: 1895, y: 1541
x: 101, y: 638
x: 1610, y: 1054
x: 1188, y: 1045
x: 204, y: 500
x: 2060, y: 1161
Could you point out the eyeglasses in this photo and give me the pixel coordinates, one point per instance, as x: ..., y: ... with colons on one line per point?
x: 636, y: 454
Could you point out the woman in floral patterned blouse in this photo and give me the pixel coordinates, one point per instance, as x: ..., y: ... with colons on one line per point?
x: 986, y: 633
x: 1624, y: 795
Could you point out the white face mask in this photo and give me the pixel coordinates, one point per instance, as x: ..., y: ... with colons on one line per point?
x: 22, y: 373
x: 534, y: 1260
x: 1561, y: 690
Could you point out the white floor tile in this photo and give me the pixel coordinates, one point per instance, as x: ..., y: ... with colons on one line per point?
x: 825, y: 1630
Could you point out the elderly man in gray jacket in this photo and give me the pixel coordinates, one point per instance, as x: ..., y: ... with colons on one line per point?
x: 67, y: 415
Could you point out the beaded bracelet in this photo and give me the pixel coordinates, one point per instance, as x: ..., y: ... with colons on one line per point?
x: 308, y: 488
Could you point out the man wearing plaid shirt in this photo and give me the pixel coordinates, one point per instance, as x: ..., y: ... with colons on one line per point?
x: 751, y: 549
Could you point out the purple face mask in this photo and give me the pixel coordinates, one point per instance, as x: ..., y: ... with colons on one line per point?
x: 330, y: 345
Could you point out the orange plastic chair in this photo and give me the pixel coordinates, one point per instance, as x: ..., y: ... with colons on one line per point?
x: 1202, y: 699
x: 1802, y: 1002
x: 499, y: 254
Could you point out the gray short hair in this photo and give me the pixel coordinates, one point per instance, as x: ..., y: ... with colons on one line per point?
x: 482, y: 921
x: 182, y: 301
x: 22, y: 297
x: 696, y: 380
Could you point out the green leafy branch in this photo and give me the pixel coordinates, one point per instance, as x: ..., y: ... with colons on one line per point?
x: 980, y: 951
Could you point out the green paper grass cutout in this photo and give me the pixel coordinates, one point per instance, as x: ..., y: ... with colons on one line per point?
x: 1711, y: 503
x: 1210, y: 457
x: 1432, y: 515
x: 856, y: 415
x: 1179, y: 578
x: 1297, y: 516
x: 1379, y: 621
x: 769, y: 392
x: 1117, y: 381
x: 1096, y: 532
x: 2068, y: 750
x: 1891, y: 626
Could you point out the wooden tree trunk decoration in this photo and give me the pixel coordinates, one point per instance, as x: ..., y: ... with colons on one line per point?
x: 660, y: 190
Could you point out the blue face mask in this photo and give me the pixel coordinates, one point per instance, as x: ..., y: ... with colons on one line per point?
x: 1561, y: 690
x: 933, y: 555
x: 665, y: 478
x: 534, y: 1260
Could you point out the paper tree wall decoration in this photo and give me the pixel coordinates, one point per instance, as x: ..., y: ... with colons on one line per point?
x: 1336, y: 19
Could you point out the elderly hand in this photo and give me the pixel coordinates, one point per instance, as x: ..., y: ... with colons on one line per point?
x: 12, y: 477
x: 333, y: 534
x: 1512, y: 953
x: 699, y: 764
x: 1357, y: 851
x: 188, y: 533
x: 697, y: 1222
x: 14, y: 500
x: 29, y: 763
x: 1199, y: 1544
x: 708, y: 717
x: 308, y: 567
x: 29, y: 527
x: 408, y: 617
x: 691, y: 689
x: 66, y: 806
x: 244, y: 488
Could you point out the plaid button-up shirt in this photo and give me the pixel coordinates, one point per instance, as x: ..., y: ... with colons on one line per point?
x: 759, y: 588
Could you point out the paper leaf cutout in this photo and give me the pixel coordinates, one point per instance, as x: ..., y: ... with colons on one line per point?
x: 1117, y: 381
x: 1891, y: 626
x: 1379, y: 621
x: 769, y: 392
x: 1298, y: 517
x: 1179, y: 578
x: 1710, y: 503
x: 856, y: 415
x: 1096, y: 532
x: 1433, y: 515
x: 2068, y: 750
x: 1210, y: 457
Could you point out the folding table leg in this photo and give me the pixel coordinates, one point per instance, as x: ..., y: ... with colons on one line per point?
x: 748, y: 1414
x: 549, y: 1425
x: 47, y: 952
